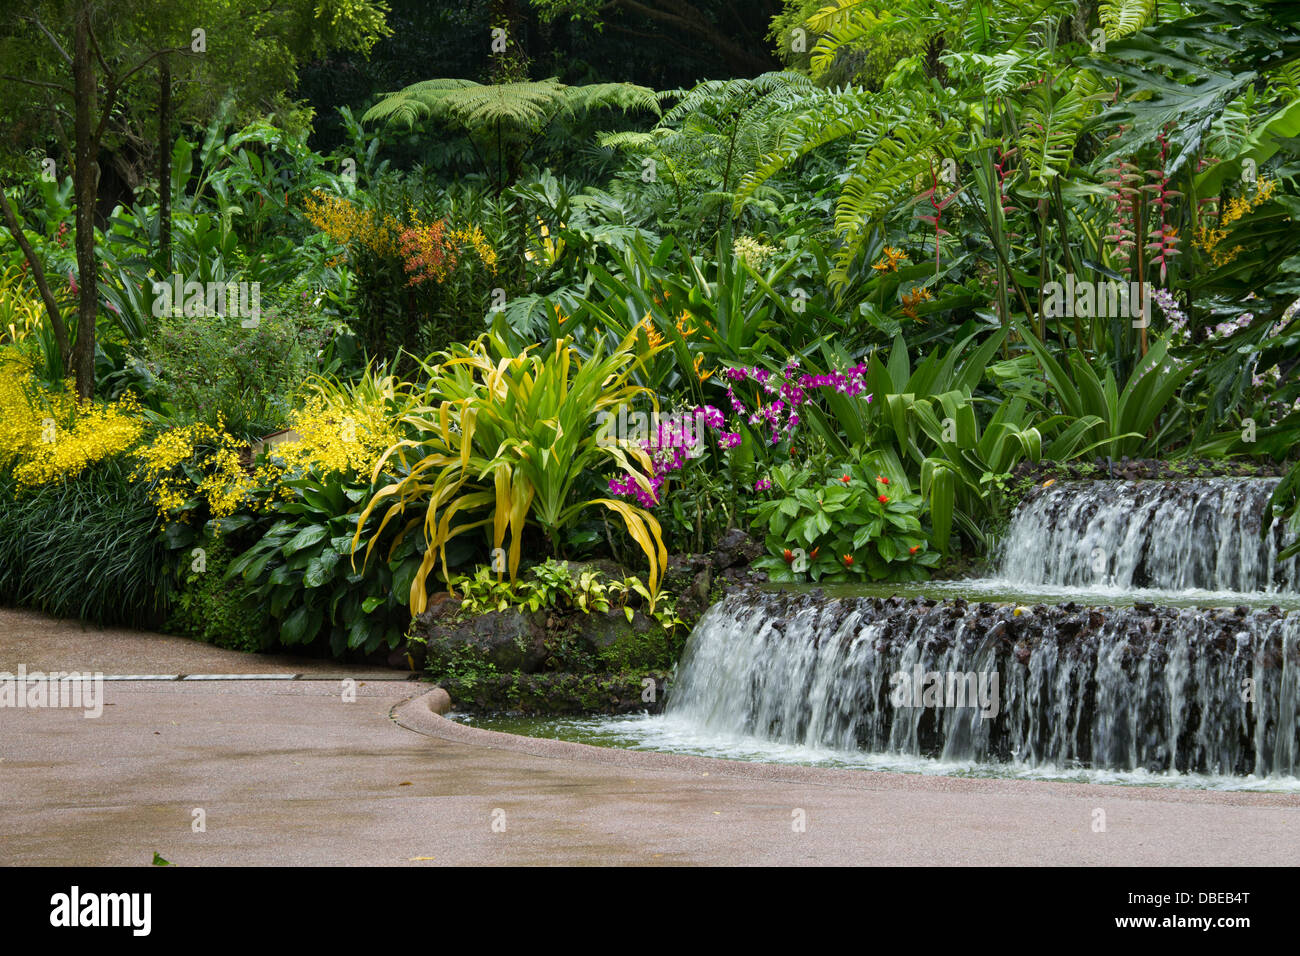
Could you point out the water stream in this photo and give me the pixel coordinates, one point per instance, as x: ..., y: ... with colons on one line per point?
x: 1134, y: 632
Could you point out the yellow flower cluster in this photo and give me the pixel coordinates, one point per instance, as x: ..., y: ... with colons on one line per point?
x: 350, y: 225
x: 1208, y: 237
x: 225, y: 485
x: 752, y: 251
x: 913, y: 299
x: 473, y: 237
x: 47, y: 436
x: 651, y: 333
x: 332, y: 436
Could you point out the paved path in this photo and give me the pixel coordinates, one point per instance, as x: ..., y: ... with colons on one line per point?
x: 288, y: 772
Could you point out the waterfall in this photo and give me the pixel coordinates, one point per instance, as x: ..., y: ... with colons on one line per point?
x: 1116, y: 688
x: 1165, y: 535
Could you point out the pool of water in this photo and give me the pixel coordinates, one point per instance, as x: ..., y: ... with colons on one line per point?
x: 664, y: 733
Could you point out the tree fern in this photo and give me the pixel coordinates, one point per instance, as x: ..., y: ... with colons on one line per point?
x: 716, y: 132
x: 505, y: 118
x: 527, y: 105
x: 841, y: 114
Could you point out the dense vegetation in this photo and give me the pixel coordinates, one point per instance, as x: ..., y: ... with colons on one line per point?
x: 834, y: 296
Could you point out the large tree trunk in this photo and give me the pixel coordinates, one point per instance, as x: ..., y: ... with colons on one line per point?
x: 85, y: 178
x: 165, y: 166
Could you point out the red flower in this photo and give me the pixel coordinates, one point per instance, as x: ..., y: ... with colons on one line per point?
x: 845, y: 478
x: 813, y: 553
x: 848, y: 560
x: 913, y: 549
x: 883, y: 498
x: 883, y: 480
x: 788, y: 555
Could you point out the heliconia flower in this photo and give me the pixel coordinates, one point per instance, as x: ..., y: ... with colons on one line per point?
x: 813, y: 553
x: 788, y: 555
x: 848, y: 560
x: 883, y: 480
x: 845, y: 478
x: 913, y: 549
x: 883, y: 498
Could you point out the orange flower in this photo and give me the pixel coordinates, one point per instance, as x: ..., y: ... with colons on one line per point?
x: 651, y: 333
x: 883, y: 499
x: 848, y: 560
x: 891, y: 260
x: 915, y: 298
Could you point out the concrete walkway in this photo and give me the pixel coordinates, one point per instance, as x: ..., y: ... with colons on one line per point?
x: 289, y: 772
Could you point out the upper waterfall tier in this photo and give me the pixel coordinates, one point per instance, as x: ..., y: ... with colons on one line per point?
x: 1166, y: 535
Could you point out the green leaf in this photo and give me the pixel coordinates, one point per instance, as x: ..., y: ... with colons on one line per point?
x: 303, y: 539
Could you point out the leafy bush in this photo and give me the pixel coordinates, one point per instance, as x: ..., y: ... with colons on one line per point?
x: 86, y: 549
x: 554, y: 585
x: 301, y: 571
x: 210, y: 369
x: 843, y: 523
x: 503, y: 440
x: 207, y: 607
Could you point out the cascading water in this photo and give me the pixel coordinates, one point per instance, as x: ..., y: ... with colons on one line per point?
x: 1137, y: 688
x: 1124, y: 688
x: 1164, y: 535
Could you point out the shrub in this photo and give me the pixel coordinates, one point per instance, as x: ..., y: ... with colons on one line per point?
x: 504, y: 438
x: 206, y: 607
x: 842, y: 523
x: 209, y: 369
x: 88, y: 548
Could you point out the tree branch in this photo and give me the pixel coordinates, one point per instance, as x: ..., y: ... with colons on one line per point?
x: 41, y: 83
x: 67, y: 58
x: 38, y: 273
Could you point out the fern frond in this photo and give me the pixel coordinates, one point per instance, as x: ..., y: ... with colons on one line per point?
x: 1050, y: 126
x: 1119, y: 18
x: 526, y: 105
x: 881, y: 176
x: 834, y: 116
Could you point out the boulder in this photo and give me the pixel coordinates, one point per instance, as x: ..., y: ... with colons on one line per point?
x: 513, y: 639
x: 734, y: 548
x: 621, y: 644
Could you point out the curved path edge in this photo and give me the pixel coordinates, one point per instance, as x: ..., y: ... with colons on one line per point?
x: 416, y: 715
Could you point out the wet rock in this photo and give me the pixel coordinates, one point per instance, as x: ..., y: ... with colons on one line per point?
x: 735, y: 548
x: 509, y: 640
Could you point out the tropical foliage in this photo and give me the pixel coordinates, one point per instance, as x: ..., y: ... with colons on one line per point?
x: 529, y: 313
